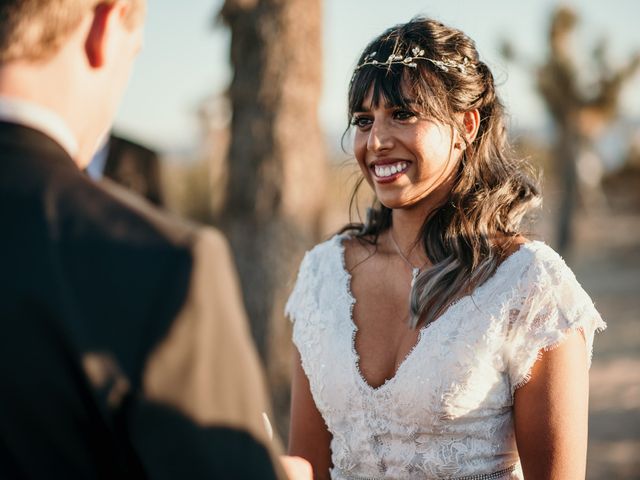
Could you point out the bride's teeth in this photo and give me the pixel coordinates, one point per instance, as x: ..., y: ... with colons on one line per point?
x: 387, y: 171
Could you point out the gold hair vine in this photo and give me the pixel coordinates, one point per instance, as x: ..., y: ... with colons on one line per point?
x: 409, y: 60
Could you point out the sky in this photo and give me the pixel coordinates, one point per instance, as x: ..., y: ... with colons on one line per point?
x: 185, y: 56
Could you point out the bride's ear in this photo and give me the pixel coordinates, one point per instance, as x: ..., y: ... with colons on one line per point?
x: 471, y: 123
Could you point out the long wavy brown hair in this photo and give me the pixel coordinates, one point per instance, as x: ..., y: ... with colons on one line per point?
x: 492, y: 189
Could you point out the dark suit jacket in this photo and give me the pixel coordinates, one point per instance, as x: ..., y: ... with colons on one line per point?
x: 124, y: 351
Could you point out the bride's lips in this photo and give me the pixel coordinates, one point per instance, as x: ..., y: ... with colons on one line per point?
x: 388, y: 170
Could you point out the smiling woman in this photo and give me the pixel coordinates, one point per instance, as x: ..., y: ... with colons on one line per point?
x: 436, y: 106
x: 422, y: 335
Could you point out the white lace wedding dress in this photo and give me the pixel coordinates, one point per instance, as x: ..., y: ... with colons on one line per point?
x: 447, y: 413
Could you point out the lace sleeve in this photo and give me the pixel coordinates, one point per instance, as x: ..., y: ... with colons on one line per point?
x: 300, y: 301
x: 551, y: 305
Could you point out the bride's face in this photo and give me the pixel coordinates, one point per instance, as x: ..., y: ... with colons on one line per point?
x: 404, y: 156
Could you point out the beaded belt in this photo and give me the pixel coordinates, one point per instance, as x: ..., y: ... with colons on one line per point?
x: 488, y: 476
x: 480, y: 476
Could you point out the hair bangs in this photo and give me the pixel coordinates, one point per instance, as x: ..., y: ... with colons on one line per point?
x: 399, y: 86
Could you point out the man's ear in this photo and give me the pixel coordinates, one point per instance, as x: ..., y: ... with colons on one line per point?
x: 97, y: 43
x: 471, y: 124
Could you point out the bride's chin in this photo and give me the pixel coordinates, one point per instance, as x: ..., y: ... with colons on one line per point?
x: 397, y: 204
x: 425, y: 203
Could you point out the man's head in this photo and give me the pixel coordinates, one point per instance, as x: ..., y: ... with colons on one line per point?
x: 33, y: 30
x: 72, y: 56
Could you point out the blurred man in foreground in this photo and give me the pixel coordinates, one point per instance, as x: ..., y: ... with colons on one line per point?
x: 124, y: 350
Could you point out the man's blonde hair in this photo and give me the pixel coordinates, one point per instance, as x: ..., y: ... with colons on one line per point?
x: 33, y: 30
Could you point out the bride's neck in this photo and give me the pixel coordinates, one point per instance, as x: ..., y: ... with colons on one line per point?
x: 406, y: 226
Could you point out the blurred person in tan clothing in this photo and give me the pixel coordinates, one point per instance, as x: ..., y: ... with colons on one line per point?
x: 124, y: 351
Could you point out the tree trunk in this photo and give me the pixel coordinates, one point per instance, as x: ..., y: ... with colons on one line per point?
x: 276, y: 163
x: 566, y: 154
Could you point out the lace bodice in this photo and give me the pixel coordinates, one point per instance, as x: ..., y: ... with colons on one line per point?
x: 447, y: 413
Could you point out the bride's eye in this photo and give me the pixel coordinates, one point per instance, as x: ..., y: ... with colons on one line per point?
x: 361, y: 121
x: 402, y: 114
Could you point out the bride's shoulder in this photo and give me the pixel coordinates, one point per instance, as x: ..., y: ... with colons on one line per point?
x: 534, y: 263
x: 529, y: 251
x: 329, y: 247
x: 323, y: 253
x: 320, y: 265
x: 356, y: 249
x: 343, y: 251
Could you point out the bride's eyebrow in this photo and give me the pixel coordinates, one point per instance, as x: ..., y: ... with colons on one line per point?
x: 406, y: 102
x: 367, y: 107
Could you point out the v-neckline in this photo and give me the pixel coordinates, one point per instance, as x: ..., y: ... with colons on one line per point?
x: 355, y: 361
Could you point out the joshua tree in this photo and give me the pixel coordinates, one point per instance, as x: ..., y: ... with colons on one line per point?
x: 579, y: 111
x: 276, y: 167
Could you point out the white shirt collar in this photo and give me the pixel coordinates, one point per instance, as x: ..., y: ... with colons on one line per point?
x: 32, y: 115
x: 96, y: 166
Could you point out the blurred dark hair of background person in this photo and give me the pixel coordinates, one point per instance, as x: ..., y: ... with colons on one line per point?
x: 130, y: 164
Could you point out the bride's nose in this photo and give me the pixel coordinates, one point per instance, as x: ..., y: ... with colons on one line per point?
x: 380, y: 139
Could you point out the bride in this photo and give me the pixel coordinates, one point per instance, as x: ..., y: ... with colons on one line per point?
x: 436, y: 341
